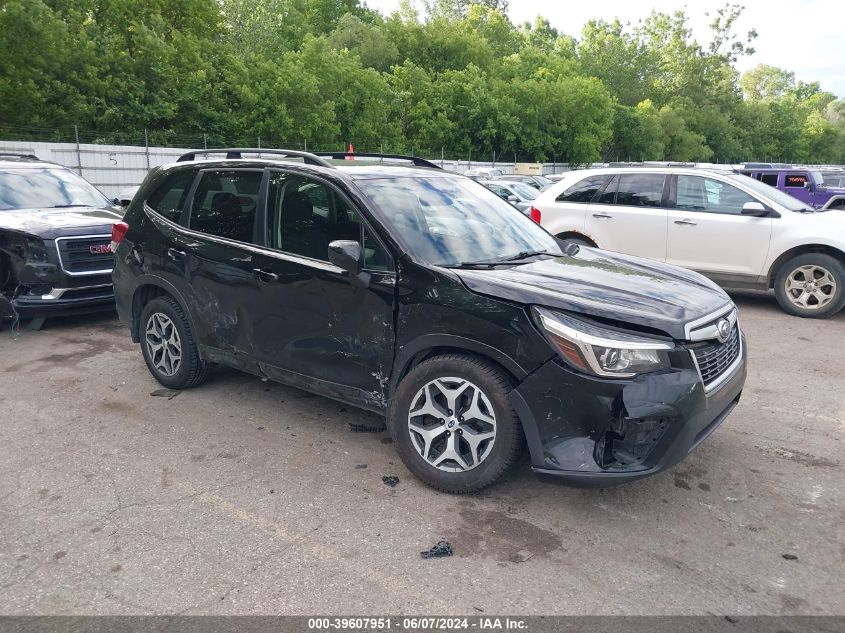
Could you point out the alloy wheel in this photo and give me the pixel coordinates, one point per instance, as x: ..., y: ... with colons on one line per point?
x: 452, y: 424
x: 163, y: 344
x: 810, y: 287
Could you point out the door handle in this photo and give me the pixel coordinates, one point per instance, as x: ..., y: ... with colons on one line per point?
x: 265, y: 275
x: 602, y: 215
x: 686, y: 221
x: 176, y: 255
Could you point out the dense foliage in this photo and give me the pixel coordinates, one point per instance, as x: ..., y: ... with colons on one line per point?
x: 463, y: 79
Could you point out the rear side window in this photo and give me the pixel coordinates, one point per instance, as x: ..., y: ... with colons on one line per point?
x: 795, y: 181
x: 169, y: 199
x: 769, y: 179
x: 225, y: 202
x: 583, y: 190
x: 640, y: 190
x: 608, y: 196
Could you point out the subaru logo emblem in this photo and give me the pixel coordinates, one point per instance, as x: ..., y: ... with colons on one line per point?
x: 723, y: 330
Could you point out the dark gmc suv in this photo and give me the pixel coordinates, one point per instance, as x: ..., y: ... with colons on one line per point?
x: 55, y: 249
x: 419, y: 294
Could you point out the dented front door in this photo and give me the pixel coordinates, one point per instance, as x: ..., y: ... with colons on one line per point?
x: 314, y: 327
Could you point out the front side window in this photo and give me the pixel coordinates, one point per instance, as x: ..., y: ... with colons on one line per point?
x: 448, y: 221
x: 47, y: 188
x: 697, y: 193
x: 583, y: 190
x: 499, y: 191
x: 304, y: 216
x: 225, y: 203
x: 525, y: 192
x: 169, y: 199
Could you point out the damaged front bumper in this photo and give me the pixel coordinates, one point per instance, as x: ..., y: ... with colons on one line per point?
x: 588, y: 431
x: 45, y: 290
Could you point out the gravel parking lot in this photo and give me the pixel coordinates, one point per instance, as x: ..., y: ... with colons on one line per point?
x: 249, y: 497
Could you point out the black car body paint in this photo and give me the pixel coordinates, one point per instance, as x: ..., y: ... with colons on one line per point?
x: 304, y: 323
x: 56, y: 261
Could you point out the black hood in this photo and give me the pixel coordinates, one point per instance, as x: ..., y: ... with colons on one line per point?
x: 607, y: 285
x: 51, y: 223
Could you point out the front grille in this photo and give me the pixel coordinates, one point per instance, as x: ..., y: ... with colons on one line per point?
x: 85, y: 255
x: 714, y: 358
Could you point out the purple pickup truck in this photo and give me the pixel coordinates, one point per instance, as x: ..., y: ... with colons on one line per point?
x: 808, y: 185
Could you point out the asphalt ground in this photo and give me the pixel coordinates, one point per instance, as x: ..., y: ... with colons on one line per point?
x: 246, y: 497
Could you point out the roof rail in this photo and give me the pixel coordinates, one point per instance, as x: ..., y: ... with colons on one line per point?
x: 236, y: 152
x: 21, y: 155
x: 418, y: 162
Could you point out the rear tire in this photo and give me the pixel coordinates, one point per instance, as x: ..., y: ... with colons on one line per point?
x: 811, y: 286
x: 460, y: 449
x: 168, y: 345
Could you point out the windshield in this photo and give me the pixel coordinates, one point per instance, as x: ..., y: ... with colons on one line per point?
x: 448, y: 221
x: 783, y: 199
x: 526, y: 192
x: 45, y: 189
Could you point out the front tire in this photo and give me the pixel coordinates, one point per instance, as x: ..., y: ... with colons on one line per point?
x: 452, y: 424
x: 168, y: 345
x: 811, y: 286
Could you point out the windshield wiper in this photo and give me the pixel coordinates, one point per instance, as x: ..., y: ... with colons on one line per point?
x: 522, y: 255
x: 500, y: 261
x: 67, y: 206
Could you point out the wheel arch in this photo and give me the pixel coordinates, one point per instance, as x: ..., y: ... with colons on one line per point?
x: 801, y: 250
x: 146, y: 289
x: 569, y: 235
x: 429, y: 345
x: 836, y: 202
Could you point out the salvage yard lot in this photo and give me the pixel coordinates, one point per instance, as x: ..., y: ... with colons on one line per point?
x: 249, y: 497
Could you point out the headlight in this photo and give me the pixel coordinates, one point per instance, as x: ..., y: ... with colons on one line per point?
x: 602, y: 351
x: 36, y: 251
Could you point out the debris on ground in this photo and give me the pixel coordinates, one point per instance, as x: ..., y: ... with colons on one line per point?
x: 366, y: 427
x: 165, y: 393
x: 390, y: 480
x: 521, y: 556
x: 441, y: 550
x: 789, y: 556
x: 360, y: 466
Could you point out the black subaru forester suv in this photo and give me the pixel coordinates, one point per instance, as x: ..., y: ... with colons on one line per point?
x: 419, y: 294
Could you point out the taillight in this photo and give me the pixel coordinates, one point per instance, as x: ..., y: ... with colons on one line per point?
x: 535, y: 214
x: 118, y: 232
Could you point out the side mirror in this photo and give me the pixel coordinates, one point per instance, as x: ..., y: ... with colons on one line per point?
x: 348, y: 255
x: 755, y: 209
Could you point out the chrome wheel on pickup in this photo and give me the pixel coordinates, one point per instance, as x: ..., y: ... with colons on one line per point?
x: 811, y: 285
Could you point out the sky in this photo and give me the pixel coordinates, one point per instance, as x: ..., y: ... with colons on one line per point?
x: 806, y: 37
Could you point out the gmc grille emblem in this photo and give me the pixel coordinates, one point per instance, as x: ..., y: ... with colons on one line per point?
x: 100, y: 249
